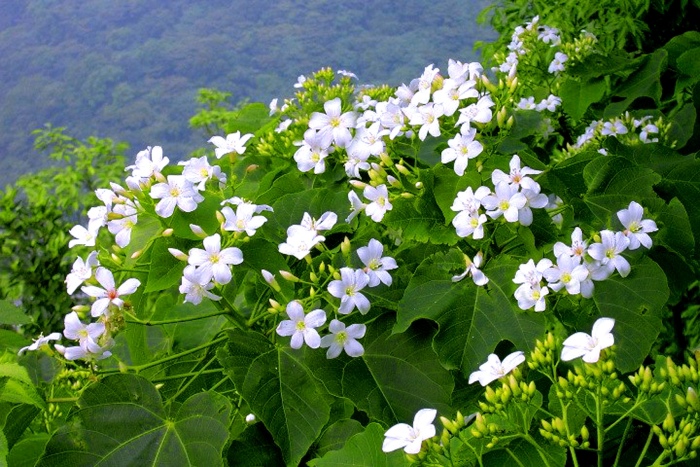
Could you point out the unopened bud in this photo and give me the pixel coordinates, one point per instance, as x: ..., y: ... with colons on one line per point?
x: 136, y: 254
x: 250, y: 418
x: 402, y: 169
x: 345, y: 246
x: 116, y: 259
x: 419, y: 185
x: 359, y: 184
x: 386, y: 160
x: 168, y: 232
x: 178, y: 254
x: 251, y: 168
x: 198, y: 231
x: 288, y: 276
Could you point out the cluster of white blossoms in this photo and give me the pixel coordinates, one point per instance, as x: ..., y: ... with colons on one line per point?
x: 94, y: 339
x: 206, y: 268
x: 348, y: 288
x: 358, y: 136
x: 513, y: 198
x: 581, y: 262
x: 634, y: 130
x: 301, y: 238
x: 518, y: 46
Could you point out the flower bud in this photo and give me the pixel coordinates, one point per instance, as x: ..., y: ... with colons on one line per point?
x: 360, y: 185
x: 288, y: 276
x: 345, y: 246
x: 402, y: 169
x: 136, y: 254
x: 116, y: 259
x: 252, y: 168
x: 178, y: 254
x: 386, y: 160
x: 198, y: 231
x: 669, y: 424
x: 250, y: 418
x: 168, y: 232
x: 584, y: 433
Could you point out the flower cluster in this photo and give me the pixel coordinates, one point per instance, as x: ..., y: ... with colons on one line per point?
x: 580, y: 263
x: 626, y: 128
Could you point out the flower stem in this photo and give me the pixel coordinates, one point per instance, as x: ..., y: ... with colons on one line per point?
x: 622, y: 441
x: 134, y: 320
x: 599, y: 423
x: 644, y: 450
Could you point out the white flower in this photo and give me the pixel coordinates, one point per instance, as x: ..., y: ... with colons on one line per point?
x: 376, y: 266
x: 557, y: 64
x: 234, y: 143
x: 410, y: 438
x: 529, y: 273
x: 506, y: 202
x: 581, y: 344
x: 196, y: 285
x: 82, y: 271
x: 301, y: 326
x: 356, y: 205
x: 550, y: 103
x: 568, y: 273
x: 635, y: 228
x: 342, y: 338
x: 213, y: 261
x: 473, y: 270
x: 494, y: 368
x: 527, y: 103
x: 178, y: 191
x: 462, y: 148
x: 121, y: 226
x: 243, y: 220
x: 86, y: 335
x: 480, y: 112
x: 577, y: 249
x: 380, y: 202
x: 517, y: 176
x: 300, y: 241
x: 149, y: 163
x: 333, y: 126
x: 82, y: 236
x: 312, y: 152
x: 325, y: 222
x: 109, y: 294
x: 608, y: 253
x: 198, y: 171
x: 529, y: 295
x: 427, y: 116
x: 39, y: 341
x: 347, y: 289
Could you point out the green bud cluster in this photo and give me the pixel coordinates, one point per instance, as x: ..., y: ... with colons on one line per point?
x: 557, y: 432
x: 646, y: 383
x: 544, y: 353
x: 512, y: 389
x: 679, y: 441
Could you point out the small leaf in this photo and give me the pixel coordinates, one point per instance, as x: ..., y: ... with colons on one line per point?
x: 577, y: 96
x: 11, y: 314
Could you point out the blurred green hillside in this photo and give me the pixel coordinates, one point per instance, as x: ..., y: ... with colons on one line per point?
x: 130, y: 69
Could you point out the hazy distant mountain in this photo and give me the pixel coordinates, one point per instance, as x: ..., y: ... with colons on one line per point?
x: 130, y: 69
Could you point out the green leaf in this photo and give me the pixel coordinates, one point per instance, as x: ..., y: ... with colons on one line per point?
x: 363, y: 449
x: 520, y: 452
x: 613, y: 182
x: 27, y: 451
x: 16, y: 387
x: 472, y: 319
x: 17, y: 418
x: 635, y: 302
x: 643, y: 82
x: 420, y: 218
x: 678, y: 45
x: 165, y: 270
x: 684, y: 182
x: 577, y: 96
x: 122, y: 417
x: 398, y: 374
x: 204, y: 216
x: 12, y: 315
x: 280, y: 389
x: 254, y: 448
x: 337, y: 435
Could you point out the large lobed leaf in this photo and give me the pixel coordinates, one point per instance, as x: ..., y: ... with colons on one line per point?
x: 280, y: 390
x: 472, y: 320
x: 121, y: 421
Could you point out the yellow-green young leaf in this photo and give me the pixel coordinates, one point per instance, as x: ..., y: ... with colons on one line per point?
x: 122, y: 418
x: 363, y: 450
